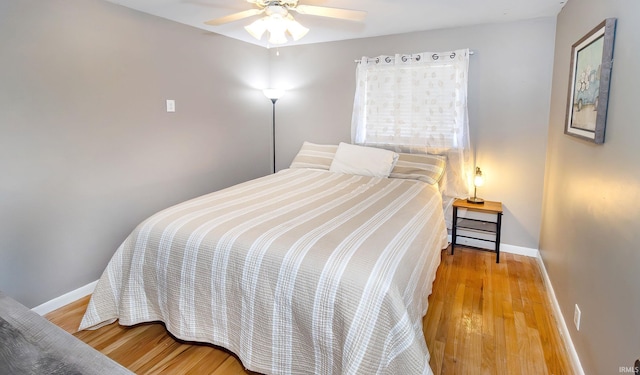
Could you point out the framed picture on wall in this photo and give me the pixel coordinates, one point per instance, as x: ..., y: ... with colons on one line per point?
x: 589, y: 79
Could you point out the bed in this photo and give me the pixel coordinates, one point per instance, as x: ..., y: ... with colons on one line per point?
x: 305, y: 271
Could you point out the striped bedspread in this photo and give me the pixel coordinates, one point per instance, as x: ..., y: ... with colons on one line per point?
x: 300, y: 272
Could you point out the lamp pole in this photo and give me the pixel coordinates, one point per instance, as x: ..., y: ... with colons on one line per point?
x: 273, y: 132
x: 273, y: 95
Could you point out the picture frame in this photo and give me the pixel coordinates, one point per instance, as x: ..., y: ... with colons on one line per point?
x: 589, y: 82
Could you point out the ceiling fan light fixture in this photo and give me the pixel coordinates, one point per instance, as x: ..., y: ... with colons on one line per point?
x: 296, y: 30
x: 277, y: 37
x: 277, y: 26
x: 257, y: 28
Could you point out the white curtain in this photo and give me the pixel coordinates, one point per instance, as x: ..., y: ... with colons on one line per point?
x: 417, y: 103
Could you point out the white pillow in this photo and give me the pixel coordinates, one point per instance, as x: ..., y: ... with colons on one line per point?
x: 364, y: 161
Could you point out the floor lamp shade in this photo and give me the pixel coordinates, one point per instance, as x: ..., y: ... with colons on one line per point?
x: 273, y: 94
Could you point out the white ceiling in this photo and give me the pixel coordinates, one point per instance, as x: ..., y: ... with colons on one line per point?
x: 384, y: 17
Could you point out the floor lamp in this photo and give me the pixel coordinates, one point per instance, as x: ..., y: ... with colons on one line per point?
x: 273, y: 95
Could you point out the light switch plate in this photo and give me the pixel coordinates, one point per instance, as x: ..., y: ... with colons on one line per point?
x: 171, y: 105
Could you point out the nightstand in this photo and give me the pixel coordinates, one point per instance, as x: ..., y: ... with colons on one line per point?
x: 470, y: 226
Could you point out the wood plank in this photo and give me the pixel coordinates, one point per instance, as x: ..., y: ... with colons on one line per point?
x: 482, y: 315
x: 437, y: 356
x: 473, y: 345
x: 524, y: 347
x: 488, y: 326
x: 537, y: 364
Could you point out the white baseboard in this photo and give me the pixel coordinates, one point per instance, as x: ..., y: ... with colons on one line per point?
x: 65, y: 299
x: 560, y: 322
x: 504, y: 248
x: 520, y: 250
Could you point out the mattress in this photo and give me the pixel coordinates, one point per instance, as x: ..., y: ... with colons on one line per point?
x: 300, y: 272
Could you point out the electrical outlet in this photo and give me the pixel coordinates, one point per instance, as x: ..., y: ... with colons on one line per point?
x: 576, y: 317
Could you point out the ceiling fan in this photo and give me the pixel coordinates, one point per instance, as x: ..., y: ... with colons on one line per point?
x: 278, y: 19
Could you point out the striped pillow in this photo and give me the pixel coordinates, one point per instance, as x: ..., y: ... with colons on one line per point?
x: 423, y: 167
x: 314, y: 156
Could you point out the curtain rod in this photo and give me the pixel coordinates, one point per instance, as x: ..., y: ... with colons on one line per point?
x: 358, y: 60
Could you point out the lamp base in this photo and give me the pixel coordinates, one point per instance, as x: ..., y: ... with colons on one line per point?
x: 475, y: 200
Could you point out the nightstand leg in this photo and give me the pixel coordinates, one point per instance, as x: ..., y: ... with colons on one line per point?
x: 454, y: 225
x: 498, y: 227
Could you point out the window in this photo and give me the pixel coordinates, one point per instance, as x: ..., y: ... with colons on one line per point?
x: 416, y: 103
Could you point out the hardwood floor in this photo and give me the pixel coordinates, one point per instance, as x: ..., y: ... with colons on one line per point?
x: 488, y: 318
x: 483, y: 318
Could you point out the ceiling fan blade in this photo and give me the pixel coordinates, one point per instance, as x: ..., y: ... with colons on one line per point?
x: 234, y: 17
x: 345, y: 14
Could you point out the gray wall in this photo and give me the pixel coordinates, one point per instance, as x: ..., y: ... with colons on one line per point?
x: 509, y: 91
x: 590, y: 231
x: 87, y: 149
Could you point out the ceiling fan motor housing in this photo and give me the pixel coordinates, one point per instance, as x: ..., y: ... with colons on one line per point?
x: 276, y: 9
x: 277, y: 3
